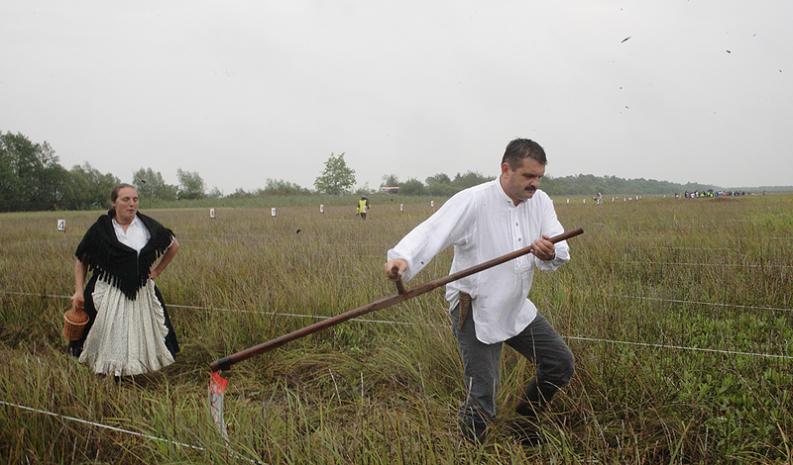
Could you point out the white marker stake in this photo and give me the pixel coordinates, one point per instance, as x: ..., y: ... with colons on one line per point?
x: 432, y: 204
x: 568, y: 201
x: 62, y: 225
x: 272, y: 212
x: 401, y: 207
x: 217, y: 390
x: 322, y: 209
x: 212, y: 213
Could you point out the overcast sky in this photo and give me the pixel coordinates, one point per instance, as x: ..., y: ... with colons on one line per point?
x: 245, y: 91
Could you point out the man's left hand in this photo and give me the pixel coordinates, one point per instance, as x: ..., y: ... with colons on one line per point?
x: 543, y: 249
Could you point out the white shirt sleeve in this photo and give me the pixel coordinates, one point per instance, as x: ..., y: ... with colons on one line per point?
x: 552, y: 227
x: 449, y: 225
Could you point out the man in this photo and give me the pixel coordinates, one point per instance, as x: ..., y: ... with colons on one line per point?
x: 363, y: 207
x: 491, y: 307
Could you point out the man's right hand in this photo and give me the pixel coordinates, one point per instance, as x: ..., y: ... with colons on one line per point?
x: 399, y: 264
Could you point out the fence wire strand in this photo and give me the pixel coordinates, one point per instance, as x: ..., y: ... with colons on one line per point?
x: 119, y: 430
x: 575, y: 338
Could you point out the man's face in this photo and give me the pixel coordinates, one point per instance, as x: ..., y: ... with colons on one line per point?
x: 521, y: 183
x: 126, y: 205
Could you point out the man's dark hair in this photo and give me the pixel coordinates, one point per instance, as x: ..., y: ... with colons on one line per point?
x: 519, y: 149
x: 118, y: 187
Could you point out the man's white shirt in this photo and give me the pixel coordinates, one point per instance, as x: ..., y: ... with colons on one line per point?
x: 483, y: 223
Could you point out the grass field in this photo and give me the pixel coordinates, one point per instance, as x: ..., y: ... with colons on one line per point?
x: 677, y: 275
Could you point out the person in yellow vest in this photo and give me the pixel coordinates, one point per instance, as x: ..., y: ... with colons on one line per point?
x: 363, y: 207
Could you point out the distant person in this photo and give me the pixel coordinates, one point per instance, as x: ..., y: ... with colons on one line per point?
x: 129, y: 332
x: 490, y: 308
x: 363, y: 207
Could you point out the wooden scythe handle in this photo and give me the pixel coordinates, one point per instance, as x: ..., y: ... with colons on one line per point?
x: 404, y: 294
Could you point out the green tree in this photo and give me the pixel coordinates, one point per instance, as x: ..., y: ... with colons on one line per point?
x: 151, y: 185
x: 191, y: 186
x: 281, y: 187
x: 87, y: 187
x: 440, y: 184
x: 390, y: 180
x: 30, y: 176
x: 239, y: 193
x: 469, y: 179
x: 337, y: 178
x: 412, y: 187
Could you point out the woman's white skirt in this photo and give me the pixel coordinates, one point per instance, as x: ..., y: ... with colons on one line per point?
x: 128, y: 336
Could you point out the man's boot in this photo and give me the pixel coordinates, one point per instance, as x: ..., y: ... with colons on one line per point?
x: 535, y: 399
x: 529, y: 408
x: 473, y: 425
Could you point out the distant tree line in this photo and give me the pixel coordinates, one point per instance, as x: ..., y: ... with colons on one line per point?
x: 32, y: 179
x: 151, y: 185
x: 587, y: 184
x: 582, y: 184
x: 439, y: 185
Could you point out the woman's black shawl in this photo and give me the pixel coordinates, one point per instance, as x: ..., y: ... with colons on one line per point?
x: 116, y: 263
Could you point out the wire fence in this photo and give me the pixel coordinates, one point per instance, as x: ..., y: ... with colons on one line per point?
x: 698, y: 302
x: 725, y: 265
x: 239, y: 456
x: 574, y: 338
x: 120, y: 430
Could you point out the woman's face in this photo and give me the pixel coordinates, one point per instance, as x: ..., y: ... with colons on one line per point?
x: 126, y: 205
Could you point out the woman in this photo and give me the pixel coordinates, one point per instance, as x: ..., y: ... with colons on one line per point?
x: 128, y: 331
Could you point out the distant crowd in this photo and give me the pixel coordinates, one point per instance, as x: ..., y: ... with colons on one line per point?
x: 597, y: 199
x: 710, y: 193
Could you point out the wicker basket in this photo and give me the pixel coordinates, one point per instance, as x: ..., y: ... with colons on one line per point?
x: 74, y: 321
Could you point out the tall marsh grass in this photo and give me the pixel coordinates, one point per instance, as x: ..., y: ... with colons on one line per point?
x: 388, y: 393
